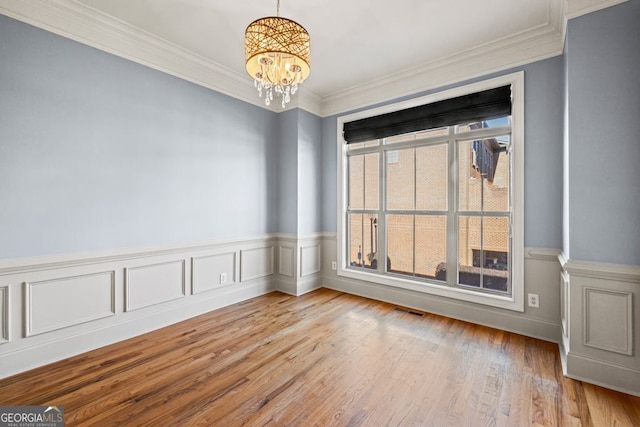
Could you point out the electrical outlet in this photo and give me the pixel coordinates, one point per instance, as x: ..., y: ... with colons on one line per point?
x: 223, y: 278
x: 534, y: 300
x: 334, y: 265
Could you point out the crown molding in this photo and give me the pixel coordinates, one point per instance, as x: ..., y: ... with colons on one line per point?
x: 91, y: 27
x: 575, y: 8
x: 303, y: 99
x: 555, y: 14
x: 530, y: 46
x: 309, y: 101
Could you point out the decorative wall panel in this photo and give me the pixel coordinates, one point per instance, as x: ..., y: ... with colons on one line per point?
x: 309, y: 260
x: 68, y: 301
x: 207, y: 271
x: 154, y: 284
x: 287, y: 261
x: 256, y: 263
x: 608, y: 320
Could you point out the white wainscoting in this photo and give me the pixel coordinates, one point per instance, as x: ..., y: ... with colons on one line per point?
x: 602, y: 334
x: 59, y: 306
x: 68, y: 301
x: 309, y: 259
x: 310, y: 263
x: 287, y: 261
x: 149, y: 285
x: 286, y: 279
x: 608, y: 320
x: 207, y: 271
x: 256, y: 263
x: 300, y: 262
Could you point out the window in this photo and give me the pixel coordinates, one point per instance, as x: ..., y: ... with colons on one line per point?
x: 437, y: 209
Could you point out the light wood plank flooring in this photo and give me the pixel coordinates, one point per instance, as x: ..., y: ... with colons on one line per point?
x: 325, y: 359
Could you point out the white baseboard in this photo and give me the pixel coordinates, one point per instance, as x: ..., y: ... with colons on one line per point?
x: 309, y: 285
x: 602, y: 374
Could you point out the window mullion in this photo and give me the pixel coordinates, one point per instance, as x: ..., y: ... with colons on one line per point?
x: 361, y: 249
x: 382, y: 202
x: 483, y: 260
x: 415, y: 205
x: 452, y: 219
x: 364, y: 182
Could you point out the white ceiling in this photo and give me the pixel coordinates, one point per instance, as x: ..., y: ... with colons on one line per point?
x: 352, y: 40
x: 362, y: 51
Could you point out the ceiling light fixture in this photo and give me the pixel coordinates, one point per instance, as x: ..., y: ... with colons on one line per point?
x: 277, y: 56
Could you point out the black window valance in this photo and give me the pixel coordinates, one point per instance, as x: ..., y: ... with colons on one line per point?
x: 485, y: 105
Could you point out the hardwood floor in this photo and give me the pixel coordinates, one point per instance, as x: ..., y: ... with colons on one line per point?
x: 325, y: 358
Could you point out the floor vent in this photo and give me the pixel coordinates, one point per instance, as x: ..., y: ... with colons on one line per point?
x: 406, y: 310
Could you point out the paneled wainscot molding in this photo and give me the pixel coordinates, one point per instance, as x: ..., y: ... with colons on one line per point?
x: 287, y: 261
x: 600, y: 337
x: 68, y: 301
x: 309, y: 260
x: 608, y: 320
x: 59, y: 306
x: 299, y: 264
x: 148, y: 285
x: 256, y: 263
x: 207, y: 272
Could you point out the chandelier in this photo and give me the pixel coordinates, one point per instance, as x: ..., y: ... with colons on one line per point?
x: 277, y: 56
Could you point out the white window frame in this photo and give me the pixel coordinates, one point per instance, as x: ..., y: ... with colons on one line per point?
x: 515, y: 301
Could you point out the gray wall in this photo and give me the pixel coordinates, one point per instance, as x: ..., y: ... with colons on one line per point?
x: 603, y: 65
x: 299, y: 173
x: 309, y: 173
x: 544, y: 85
x: 329, y: 175
x: 565, y: 155
x: 97, y: 152
x: 288, y: 172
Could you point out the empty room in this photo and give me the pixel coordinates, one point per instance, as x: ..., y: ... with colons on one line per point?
x: 305, y: 212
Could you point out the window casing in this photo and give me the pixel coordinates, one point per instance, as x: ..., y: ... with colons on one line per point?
x: 438, y: 211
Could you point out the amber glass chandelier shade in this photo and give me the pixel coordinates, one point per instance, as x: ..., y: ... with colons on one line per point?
x: 277, y: 56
